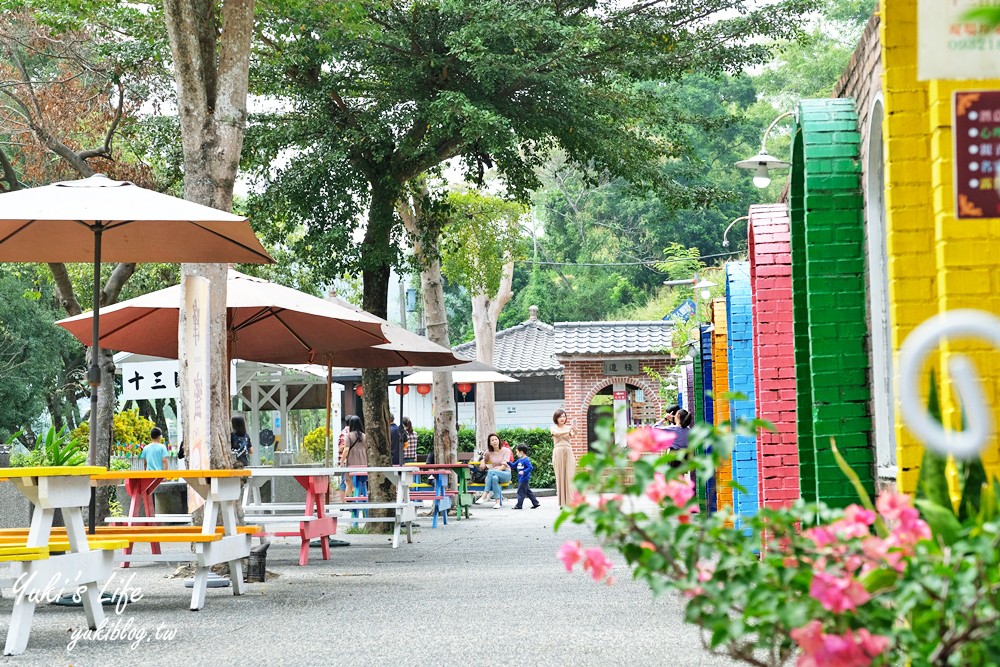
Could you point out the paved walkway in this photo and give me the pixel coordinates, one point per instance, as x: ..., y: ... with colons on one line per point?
x: 484, y: 591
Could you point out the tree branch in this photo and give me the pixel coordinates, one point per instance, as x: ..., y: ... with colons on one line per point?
x: 64, y: 288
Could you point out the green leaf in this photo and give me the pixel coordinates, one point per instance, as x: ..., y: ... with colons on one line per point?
x: 880, y: 579
x: 932, y: 483
x: 942, y: 520
x: 973, y: 480
x: 852, y: 476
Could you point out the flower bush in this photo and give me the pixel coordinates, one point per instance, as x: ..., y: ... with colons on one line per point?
x: 896, y: 582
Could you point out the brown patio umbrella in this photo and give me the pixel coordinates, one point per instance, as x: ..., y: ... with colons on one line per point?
x: 269, y: 323
x: 97, y: 219
x: 265, y: 321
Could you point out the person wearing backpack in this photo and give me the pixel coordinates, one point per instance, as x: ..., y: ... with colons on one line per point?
x: 239, y: 441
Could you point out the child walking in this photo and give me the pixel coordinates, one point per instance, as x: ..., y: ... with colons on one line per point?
x: 524, y: 468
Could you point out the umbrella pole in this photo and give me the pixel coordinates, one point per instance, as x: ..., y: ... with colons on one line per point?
x: 400, y: 398
x: 329, y: 406
x: 94, y: 373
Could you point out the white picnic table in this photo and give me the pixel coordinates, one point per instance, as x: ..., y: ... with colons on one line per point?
x: 316, y: 480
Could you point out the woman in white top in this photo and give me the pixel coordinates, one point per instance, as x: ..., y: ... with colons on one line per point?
x: 495, y: 462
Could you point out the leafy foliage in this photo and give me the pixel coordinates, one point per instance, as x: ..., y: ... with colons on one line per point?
x: 865, y: 585
x: 57, y: 447
x: 314, y: 444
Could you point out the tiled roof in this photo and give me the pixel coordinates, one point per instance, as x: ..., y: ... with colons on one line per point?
x: 612, y: 337
x: 524, y: 349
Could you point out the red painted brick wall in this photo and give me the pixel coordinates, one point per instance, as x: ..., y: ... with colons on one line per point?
x: 774, y: 353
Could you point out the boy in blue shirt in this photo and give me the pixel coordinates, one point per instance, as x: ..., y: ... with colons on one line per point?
x: 155, y: 454
x: 524, y: 468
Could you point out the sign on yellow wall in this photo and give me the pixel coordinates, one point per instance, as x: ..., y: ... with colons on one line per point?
x: 977, y: 153
x: 951, y: 47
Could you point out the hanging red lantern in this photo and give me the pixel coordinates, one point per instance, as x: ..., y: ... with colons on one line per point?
x: 402, y: 389
x: 423, y: 389
x: 464, y: 387
x: 359, y: 390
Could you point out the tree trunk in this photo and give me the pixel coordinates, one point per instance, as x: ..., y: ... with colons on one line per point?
x: 485, y: 313
x: 211, y: 53
x: 424, y: 237
x: 375, y: 381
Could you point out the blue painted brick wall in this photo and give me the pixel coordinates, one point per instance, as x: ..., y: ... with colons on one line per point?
x: 708, y: 415
x: 740, y: 321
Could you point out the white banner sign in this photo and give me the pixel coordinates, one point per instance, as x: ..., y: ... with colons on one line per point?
x: 148, y: 380
x: 952, y: 47
x: 197, y: 382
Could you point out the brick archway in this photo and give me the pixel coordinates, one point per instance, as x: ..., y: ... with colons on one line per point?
x: 578, y: 413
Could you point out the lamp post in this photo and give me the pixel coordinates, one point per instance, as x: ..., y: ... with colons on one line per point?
x: 762, y: 162
x: 725, y: 241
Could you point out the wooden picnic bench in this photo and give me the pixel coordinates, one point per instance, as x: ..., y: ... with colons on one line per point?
x: 213, y: 544
x: 42, y: 560
x: 312, y: 520
x: 404, y: 511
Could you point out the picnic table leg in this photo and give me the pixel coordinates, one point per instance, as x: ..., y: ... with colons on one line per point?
x: 320, y: 487
x: 199, y: 588
x: 20, y: 627
x: 150, y: 506
x: 77, y: 537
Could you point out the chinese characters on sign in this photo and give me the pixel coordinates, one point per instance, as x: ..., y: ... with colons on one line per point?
x: 951, y: 47
x: 622, y: 367
x: 976, y: 130
x: 619, y: 396
x: 149, y: 380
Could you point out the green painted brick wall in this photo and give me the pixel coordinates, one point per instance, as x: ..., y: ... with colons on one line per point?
x: 829, y: 301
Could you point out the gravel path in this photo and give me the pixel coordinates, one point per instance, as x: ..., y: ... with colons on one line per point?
x: 484, y: 591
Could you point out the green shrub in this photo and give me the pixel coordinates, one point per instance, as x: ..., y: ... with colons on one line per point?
x: 55, y: 448
x: 538, y: 440
x: 314, y: 444
x: 130, y: 428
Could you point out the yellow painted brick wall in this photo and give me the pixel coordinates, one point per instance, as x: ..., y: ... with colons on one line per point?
x: 720, y: 385
x: 936, y: 263
x: 967, y: 258
x: 908, y: 199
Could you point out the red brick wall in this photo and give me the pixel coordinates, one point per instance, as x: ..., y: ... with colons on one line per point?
x: 774, y: 353
x: 584, y: 378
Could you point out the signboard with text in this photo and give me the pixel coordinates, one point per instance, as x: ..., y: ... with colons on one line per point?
x: 622, y: 367
x: 951, y: 47
x: 976, y: 132
x: 150, y: 380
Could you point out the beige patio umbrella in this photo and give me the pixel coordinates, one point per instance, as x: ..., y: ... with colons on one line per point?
x: 97, y: 219
x: 268, y: 323
x: 265, y: 322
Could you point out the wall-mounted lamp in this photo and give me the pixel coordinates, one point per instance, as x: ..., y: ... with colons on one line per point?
x: 705, y: 288
x: 725, y: 241
x: 762, y: 163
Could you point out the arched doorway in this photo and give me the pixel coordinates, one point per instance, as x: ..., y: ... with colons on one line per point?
x: 640, y: 408
x: 878, y: 299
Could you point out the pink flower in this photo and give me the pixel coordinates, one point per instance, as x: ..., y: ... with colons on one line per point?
x: 705, y: 572
x: 596, y: 563
x: 838, y: 594
x: 821, y: 536
x: 680, y: 491
x: 892, y: 505
x: 576, y: 499
x: 602, y: 503
x: 809, y: 637
x: 872, y: 645
x: 847, y: 650
x: 648, y: 545
x: 657, y: 489
x: 570, y: 554
x: 648, y: 440
x: 858, y: 514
